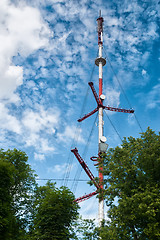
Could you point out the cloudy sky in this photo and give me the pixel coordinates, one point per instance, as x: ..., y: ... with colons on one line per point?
x: 47, y: 53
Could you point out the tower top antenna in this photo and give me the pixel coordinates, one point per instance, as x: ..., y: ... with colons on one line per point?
x: 100, y: 13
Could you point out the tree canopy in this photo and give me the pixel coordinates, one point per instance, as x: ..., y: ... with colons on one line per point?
x: 17, y: 184
x: 85, y: 229
x: 132, y: 188
x: 7, y: 218
x: 55, y: 212
x: 28, y: 211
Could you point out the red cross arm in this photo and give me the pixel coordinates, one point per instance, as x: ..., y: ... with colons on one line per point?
x: 88, y: 115
x: 95, y: 93
x: 84, y: 166
x: 119, y: 109
x: 85, y: 197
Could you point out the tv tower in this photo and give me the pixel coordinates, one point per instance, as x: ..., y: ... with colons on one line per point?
x: 102, y: 146
x: 100, y: 62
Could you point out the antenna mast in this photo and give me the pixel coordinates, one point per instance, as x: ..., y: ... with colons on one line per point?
x: 102, y: 146
x: 100, y: 62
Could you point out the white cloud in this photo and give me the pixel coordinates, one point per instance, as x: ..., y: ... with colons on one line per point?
x: 112, y: 97
x: 71, y: 86
x: 112, y: 21
x: 61, y: 168
x: 137, y: 27
x: 39, y: 157
x: 10, y: 79
x: 144, y: 72
x: 22, y: 32
x: 8, y: 121
x: 153, y: 97
x: 45, y: 146
x: 31, y: 139
x: 38, y: 125
x: 71, y: 132
x: 131, y: 119
x: 40, y: 143
x: 152, y: 28
x: 26, y: 29
x: 35, y: 121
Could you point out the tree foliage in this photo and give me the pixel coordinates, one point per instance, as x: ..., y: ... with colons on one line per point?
x: 28, y: 211
x: 132, y: 188
x: 17, y: 183
x: 85, y: 229
x: 55, y: 212
x: 7, y: 218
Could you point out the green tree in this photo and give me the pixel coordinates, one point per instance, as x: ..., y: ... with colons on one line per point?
x: 7, y: 218
x: 55, y: 212
x: 17, y: 183
x: 132, y: 188
x: 85, y: 229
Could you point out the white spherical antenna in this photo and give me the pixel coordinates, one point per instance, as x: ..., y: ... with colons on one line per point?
x: 103, y: 139
x: 102, y: 97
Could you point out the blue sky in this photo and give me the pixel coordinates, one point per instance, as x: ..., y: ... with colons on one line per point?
x: 47, y: 53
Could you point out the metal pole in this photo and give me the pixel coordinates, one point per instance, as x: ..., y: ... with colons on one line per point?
x: 100, y: 62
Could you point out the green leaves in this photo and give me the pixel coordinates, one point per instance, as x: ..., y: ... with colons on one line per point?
x: 85, y: 229
x: 7, y: 218
x: 55, y: 212
x: 28, y: 211
x: 132, y: 187
x: 17, y: 183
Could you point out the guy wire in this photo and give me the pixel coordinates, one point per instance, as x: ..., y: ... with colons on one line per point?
x: 75, y: 139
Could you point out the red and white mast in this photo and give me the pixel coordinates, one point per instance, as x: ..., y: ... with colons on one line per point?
x: 102, y: 146
x: 100, y: 62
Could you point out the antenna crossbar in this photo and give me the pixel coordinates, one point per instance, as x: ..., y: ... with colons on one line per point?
x: 85, y: 197
x: 88, y: 115
x: 85, y: 167
x: 100, y: 104
x: 118, y: 109
x: 98, y: 100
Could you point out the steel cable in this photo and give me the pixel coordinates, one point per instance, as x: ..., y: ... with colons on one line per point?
x: 59, y: 179
x: 79, y: 169
x: 129, y: 104
x: 113, y: 125
x: 75, y: 139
